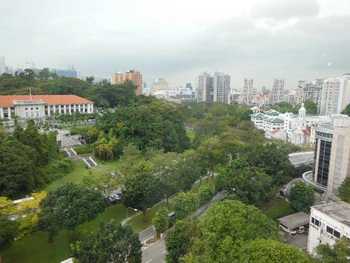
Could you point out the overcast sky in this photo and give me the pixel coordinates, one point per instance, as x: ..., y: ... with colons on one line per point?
x: 262, y: 39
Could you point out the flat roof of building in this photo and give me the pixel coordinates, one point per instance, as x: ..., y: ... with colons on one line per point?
x: 339, y: 211
x: 7, y: 100
x: 295, y: 220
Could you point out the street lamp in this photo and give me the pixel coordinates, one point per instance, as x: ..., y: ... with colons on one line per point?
x: 127, y: 211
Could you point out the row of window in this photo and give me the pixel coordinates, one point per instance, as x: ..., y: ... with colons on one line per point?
x: 329, y: 229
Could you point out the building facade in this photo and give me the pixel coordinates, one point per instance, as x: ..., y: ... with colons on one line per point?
x: 335, y: 95
x: 309, y: 90
x: 277, y: 91
x: 132, y: 75
x: 248, y: 91
x: 40, y: 106
x: 328, y: 223
x: 205, y: 87
x: 221, y: 87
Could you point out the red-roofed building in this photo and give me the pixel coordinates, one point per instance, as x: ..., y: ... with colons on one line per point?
x: 39, y: 106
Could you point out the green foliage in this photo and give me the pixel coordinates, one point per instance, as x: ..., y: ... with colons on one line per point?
x: 68, y: 206
x: 346, y: 110
x: 83, y: 149
x: 211, y: 153
x: 109, y: 243
x: 301, y: 196
x: 58, y: 169
x: 226, y: 226
x: 178, y: 240
x: 285, y: 107
x: 252, y: 184
x: 8, y: 231
x: 65, y: 85
x: 273, y: 160
x: 161, y: 220
x: 206, y: 193
x: 339, y: 253
x: 344, y: 190
x: 269, y: 251
x: 153, y: 125
x: 108, y: 146
x: 142, y: 191
x: 185, y: 203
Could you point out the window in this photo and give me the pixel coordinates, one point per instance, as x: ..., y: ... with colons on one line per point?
x: 315, y: 221
x: 329, y: 230
x: 336, y: 234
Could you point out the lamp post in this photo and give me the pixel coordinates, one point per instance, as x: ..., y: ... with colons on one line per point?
x: 127, y: 211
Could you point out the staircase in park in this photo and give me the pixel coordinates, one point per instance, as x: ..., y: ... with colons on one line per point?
x: 70, y: 151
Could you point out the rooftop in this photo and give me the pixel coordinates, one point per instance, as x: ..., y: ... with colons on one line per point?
x: 339, y: 211
x: 295, y: 220
x: 9, y: 100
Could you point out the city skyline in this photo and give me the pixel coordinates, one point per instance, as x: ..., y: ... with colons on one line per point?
x: 291, y: 40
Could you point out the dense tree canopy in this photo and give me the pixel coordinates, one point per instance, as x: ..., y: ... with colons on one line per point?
x: 68, y: 206
x: 338, y: 253
x: 251, y: 184
x: 301, y: 196
x: 8, y: 231
x: 142, y: 191
x: 344, y: 190
x: 109, y: 243
x: 221, y: 230
x: 269, y: 251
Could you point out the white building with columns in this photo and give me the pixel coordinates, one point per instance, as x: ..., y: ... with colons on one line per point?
x: 40, y: 106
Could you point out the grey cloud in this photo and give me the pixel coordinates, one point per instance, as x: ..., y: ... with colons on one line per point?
x: 282, y: 10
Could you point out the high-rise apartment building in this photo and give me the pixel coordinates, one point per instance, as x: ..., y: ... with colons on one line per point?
x: 277, y: 91
x: 309, y: 90
x: 132, y: 75
x: 2, y: 66
x: 335, y: 95
x: 332, y: 153
x: 205, y: 87
x: 248, y: 91
x: 221, y: 88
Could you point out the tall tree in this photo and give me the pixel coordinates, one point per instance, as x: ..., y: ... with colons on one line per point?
x: 161, y: 220
x: 269, y: 251
x: 251, y: 184
x: 178, y: 240
x: 185, y: 203
x: 8, y: 231
x: 301, y: 196
x: 338, y: 253
x: 109, y: 243
x: 68, y: 206
x: 344, y: 190
x: 221, y: 230
x: 142, y: 191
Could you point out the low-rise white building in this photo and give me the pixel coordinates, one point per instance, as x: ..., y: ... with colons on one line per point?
x: 328, y: 223
x: 39, y: 106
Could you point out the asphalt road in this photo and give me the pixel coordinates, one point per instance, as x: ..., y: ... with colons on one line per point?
x: 147, y: 234
x: 154, y: 253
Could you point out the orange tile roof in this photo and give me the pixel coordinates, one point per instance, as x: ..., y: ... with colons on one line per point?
x: 7, y: 101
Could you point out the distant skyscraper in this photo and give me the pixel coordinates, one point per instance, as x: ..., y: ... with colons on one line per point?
x: 205, y: 87
x: 2, y: 65
x: 29, y: 65
x: 221, y: 87
x: 134, y: 76
x: 248, y: 91
x: 309, y: 90
x: 277, y: 91
x: 335, y: 95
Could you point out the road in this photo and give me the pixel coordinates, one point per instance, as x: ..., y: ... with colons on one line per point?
x: 291, y: 184
x: 154, y: 253
x: 147, y: 234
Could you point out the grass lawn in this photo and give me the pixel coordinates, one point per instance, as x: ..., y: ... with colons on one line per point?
x: 108, y: 165
x: 210, y: 181
x: 277, y: 208
x: 190, y: 134
x: 35, y: 248
x: 73, y: 177
x: 137, y: 223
